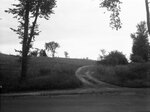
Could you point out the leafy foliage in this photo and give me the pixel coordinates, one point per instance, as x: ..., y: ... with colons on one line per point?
x: 42, y: 53
x: 34, y: 53
x: 52, y: 46
x: 32, y: 9
x: 134, y: 75
x: 140, y: 46
x: 114, y: 7
x: 137, y: 59
x: 114, y: 58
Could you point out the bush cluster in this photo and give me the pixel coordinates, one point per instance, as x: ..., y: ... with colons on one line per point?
x: 114, y: 58
x: 136, y: 59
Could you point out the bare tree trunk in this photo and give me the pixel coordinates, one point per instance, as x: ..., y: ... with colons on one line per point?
x: 24, y: 44
x: 148, y: 15
x: 148, y: 23
x: 24, y: 67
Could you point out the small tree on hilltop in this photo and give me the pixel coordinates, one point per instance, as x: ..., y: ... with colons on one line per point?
x: 140, y: 48
x: 103, y: 54
x: 52, y: 46
x: 66, y: 54
x: 42, y: 53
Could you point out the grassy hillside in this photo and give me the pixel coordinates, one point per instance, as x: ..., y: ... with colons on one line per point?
x: 43, y: 73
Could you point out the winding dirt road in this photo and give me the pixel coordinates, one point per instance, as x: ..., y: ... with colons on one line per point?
x: 85, y: 75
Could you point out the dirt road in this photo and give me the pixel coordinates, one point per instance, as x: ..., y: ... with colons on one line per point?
x: 85, y: 75
x: 77, y: 103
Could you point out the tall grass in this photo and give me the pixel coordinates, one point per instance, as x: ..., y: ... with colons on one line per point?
x: 131, y: 75
x: 43, y: 73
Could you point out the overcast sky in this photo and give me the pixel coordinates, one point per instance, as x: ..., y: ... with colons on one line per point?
x: 79, y: 26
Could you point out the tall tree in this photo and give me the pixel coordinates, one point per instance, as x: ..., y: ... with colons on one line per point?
x: 52, y: 46
x: 26, y: 11
x: 140, y: 46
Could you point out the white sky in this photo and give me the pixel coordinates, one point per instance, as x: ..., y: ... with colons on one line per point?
x: 79, y: 26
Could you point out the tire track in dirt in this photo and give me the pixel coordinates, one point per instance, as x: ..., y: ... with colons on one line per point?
x: 84, y: 74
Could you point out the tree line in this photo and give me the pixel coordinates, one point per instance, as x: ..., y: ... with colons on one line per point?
x: 49, y: 47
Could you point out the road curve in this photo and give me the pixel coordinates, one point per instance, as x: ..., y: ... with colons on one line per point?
x: 85, y: 75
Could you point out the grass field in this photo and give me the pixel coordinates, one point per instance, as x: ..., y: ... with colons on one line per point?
x: 43, y: 73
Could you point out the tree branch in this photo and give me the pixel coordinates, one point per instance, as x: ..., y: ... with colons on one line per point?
x: 33, y: 27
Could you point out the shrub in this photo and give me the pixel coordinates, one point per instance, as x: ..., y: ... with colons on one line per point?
x: 133, y: 75
x: 105, y: 73
x: 122, y: 73
x: 141, y: 70
x: 114, y: 58
x: 136, y: 58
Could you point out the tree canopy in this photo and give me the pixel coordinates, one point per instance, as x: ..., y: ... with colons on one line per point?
x: 140, y: 48
x: 114, y: 58
x: 52, y: 46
